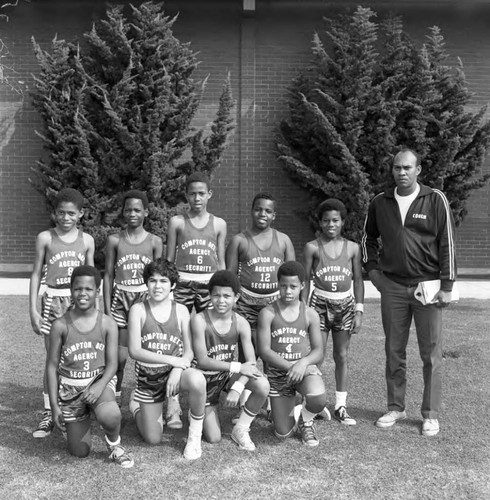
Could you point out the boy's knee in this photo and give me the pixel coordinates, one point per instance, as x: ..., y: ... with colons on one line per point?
x: 316, y: 402
x: 260, y: 386
x: 152, y: 438
x: 80, y: 450
x: 340, y: 356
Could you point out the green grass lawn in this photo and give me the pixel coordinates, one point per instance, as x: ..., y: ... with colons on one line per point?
x: 360, y: 462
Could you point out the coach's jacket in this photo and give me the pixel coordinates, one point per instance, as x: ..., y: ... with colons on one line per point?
x: 421, y: 249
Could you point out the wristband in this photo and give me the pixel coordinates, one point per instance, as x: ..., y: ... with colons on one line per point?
x: 235, y: 367
x: 238, y: 387
x: 359, y: 308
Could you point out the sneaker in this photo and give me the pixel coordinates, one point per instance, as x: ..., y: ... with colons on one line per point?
x: 46, y: 425
x: 192, y: 449
x: 241, y: 437
x: 323, y: 415
x: 120, y: 457
x: 134, y: 406
x: 308, y: 435
x: 430, y: 427
x: 389, y: 419
x: 343, y: 417
x: 173, y: 414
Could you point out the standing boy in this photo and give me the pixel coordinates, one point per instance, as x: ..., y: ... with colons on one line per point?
x: 127, y: 253
x: 59, y: 250
x: 290, y: 344
x: 215, y: 333
x: 335, y: 263
x: 255, y: 255
x: 81, y: 370
x: 160, y: 343
x: 196, y: 243
x: 414, y: 226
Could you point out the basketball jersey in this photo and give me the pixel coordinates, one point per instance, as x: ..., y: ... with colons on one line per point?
x: 161, y: 338
x: 62, y: 258
x: 131, y: 258
x: 83, y: 353
x: 221, y: 346
x: 290, y: 339
x: 197, y: 251
x: 333, y: 275
x: 258, y: 273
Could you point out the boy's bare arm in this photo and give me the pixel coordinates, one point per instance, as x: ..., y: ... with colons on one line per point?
x: 358, y: 286
x: 184, y: 322
x: 308, y: 259
x: 220, y: 227
x: 232, y: 255
x: 289, y: 253
x: 109, y: 328
x: 264, y: 341
x: 42, y: 241
x: 157, y: 244
x: 52, y: 364
x: 110, y: 262
x: 173, y: 228
x: 90, y: 249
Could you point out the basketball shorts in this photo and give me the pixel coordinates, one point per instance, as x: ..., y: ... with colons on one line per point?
x: 280, y: 387
x: 53, y: 307
x: 215, y: 384
x: 335, y: 315
x: 151, y: 384
x: 192, y: 294
x: 122, y: 300
x: 73, y: 407
x: 249, y: 306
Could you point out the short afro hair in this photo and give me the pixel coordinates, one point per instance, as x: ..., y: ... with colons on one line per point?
x: 197, y: 177
x: 135, y: 194
x: 331, y: 204
x: 164, y: 268
x: 85, y: 270
x: 69, y: 195
x: 264, y: 196
x: 224, y: 278
x: 292, y: 268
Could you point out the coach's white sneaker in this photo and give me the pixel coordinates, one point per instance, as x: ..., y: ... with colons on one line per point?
x: 430, y: 427
x: 390, y: 419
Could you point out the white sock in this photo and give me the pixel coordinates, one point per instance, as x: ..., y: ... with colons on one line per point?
x: 246, y: 418
x: 306, y: 414
x: 115, y: 443
x: 340, y: 399
x: 195, y: 424
x: 47, y: 405
x: 244, y: 396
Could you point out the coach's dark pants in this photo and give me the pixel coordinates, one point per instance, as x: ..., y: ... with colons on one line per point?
x: 398, y: 306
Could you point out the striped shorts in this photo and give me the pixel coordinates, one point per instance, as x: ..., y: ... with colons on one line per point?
x: 335, y: 315
x: 122, y: 300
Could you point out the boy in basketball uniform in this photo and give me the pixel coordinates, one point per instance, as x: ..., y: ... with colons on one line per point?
x: 196, y: 243
x: 290, y: 344
x: 127, y: 253
x: 58, y: 252
x: 335, y: 265
x: 81, y: 369
x: 160, y: 343
x: 215, y: 333
x: 255, y: 256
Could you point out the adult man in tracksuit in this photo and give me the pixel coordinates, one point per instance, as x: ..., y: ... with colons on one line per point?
x: 416, y: 229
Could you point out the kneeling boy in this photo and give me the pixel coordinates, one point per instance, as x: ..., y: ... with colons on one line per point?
x: 215, y: 333
x: 160, y: 343
x: 290, y: 344
x: 81, y: 369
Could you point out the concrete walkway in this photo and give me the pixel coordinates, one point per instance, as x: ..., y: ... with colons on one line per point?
x: 468, y: 289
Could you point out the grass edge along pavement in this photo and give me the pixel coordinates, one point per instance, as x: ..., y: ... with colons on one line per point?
x: 358, y: 462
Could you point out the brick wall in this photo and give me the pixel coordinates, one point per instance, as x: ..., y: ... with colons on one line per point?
x: 262, y: 53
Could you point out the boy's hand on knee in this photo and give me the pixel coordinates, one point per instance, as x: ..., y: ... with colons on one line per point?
x: 250, y: 370
x: 92, y: 393
x: 297, y: 372
x: 173, y: 382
